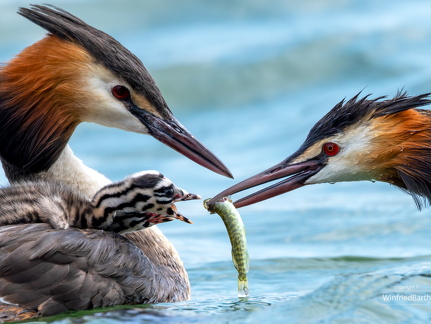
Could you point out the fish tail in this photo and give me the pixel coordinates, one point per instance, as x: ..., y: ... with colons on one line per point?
x: 242, y: 287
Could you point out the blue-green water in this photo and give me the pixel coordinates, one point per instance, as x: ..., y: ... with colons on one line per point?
x: 249, y: 78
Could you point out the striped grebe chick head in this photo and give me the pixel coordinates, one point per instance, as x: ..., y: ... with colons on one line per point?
x: 141, y: 200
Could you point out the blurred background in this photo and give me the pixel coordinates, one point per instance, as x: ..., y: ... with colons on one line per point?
x: 249, y: 78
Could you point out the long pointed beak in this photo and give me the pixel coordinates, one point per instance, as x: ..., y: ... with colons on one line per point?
x: 296, y: 175
x: 176, y: 136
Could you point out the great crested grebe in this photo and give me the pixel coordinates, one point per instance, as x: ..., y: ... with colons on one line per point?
x: 361, y: 139
x: 141, y: 200
x: 80, y: 74
x: 48, y: 279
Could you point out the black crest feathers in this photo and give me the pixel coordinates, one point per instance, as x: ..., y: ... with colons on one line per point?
x: 348, y: 113
x: 104, y: 49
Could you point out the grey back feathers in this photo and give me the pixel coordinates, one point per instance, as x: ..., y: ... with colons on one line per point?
x: 141, y: 200
x: 103, y: 48
x: 52, y: 271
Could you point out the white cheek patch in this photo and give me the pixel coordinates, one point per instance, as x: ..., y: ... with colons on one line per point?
x: 348, y: 164
x: 338, y: 170
x: 103, y: 108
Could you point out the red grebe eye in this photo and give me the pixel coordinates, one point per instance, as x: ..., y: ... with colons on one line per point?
x: 331, y: 149
x: 120, y: 92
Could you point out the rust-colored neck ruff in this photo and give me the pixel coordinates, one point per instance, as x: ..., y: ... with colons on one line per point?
x: 39, y: 103
x: 403, y: 152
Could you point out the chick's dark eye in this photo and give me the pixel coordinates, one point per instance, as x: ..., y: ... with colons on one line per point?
x: 331, y: 149
x: 120, y: 92
x: 169, y: 192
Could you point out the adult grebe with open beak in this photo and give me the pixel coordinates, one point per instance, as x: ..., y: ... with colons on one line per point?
x: 361, y: 139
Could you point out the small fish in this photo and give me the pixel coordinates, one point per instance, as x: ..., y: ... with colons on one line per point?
x: 236, y: 230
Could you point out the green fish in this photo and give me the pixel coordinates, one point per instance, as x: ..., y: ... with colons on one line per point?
x: 236, y: 230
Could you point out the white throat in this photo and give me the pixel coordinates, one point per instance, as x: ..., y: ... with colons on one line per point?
x: 72, y: 171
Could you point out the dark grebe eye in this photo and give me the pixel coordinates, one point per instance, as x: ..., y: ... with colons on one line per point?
x: 120, y: 92
x: 331, y: 149
x: 169, y: 193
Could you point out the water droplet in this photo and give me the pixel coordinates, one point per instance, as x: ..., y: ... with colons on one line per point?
x: 373, y: 180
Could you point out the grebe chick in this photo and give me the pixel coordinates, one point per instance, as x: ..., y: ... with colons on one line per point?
x: 137, y: 202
